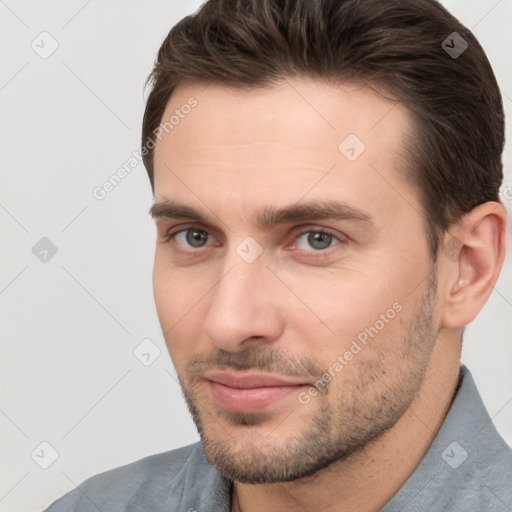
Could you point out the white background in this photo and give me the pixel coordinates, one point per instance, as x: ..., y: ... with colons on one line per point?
x: 70, y: 325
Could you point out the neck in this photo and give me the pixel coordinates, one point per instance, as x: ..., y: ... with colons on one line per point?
x: 366, y: 480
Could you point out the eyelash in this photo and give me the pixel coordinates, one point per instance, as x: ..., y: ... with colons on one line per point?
x: 313, y: 253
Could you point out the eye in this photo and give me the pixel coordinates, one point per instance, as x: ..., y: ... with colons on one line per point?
x: 319, y: 240
x: 193, y: 237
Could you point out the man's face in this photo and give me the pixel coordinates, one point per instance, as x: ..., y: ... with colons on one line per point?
x: 255, y: 313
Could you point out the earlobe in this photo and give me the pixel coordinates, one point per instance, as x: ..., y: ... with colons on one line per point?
x: 474, y: 263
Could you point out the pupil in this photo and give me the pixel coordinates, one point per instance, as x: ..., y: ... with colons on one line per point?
x: 320, y: 240
x: 196, y: 238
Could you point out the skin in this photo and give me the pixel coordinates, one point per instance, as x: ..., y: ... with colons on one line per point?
x: 300, y: 304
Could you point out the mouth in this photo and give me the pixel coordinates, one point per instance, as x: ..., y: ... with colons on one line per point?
x: 250, y: 392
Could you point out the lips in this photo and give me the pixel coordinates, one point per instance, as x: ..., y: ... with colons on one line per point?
x: 249, y: 392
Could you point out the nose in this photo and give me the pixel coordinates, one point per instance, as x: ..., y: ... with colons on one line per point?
x: 244, y: 307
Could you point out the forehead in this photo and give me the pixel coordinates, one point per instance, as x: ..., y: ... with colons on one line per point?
x: 299, y: 113
x: 286, y: 137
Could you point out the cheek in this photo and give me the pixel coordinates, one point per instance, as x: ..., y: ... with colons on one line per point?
x: 179, y: 307
x: 164, y: 291
x: 174, y: 289
x: 347, y: 307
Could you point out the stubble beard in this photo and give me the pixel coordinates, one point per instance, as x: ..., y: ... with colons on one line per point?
x: 342, y: 421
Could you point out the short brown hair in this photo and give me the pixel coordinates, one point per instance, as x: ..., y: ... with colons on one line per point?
x: 394, y: 46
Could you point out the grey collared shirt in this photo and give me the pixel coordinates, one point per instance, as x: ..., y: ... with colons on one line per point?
x: 468, y: 468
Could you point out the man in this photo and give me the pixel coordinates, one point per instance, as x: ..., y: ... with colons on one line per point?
x: 326, y: 177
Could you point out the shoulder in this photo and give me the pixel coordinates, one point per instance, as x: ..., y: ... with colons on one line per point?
x: 476, y: 461
x: 486, y: 482
x: 468, y: 466
x: 116, y: 489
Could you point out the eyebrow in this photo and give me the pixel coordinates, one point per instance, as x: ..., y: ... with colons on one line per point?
x: 269, y: 216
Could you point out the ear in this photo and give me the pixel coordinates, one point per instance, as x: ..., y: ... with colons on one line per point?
x: 472, y: 256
